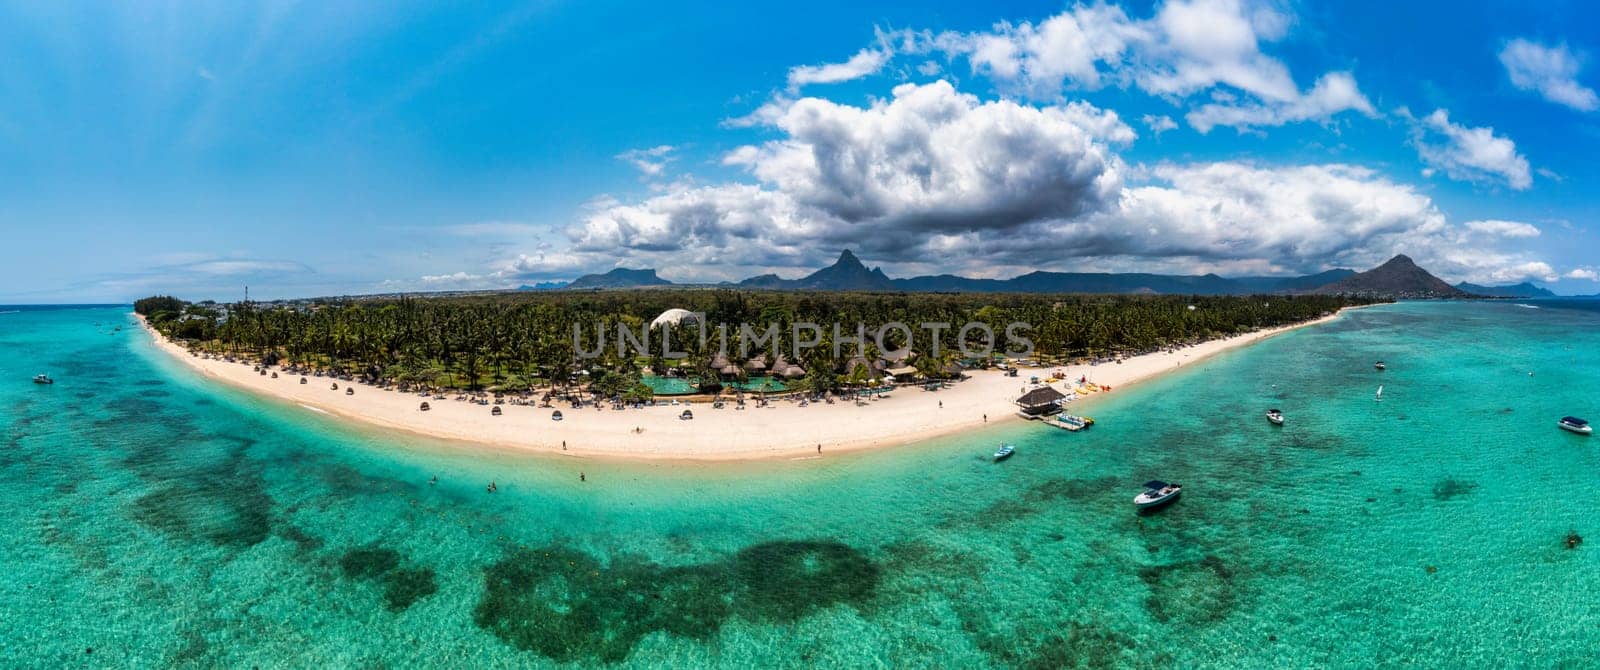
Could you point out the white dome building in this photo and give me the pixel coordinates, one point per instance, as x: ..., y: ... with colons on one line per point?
x: 673, y: 317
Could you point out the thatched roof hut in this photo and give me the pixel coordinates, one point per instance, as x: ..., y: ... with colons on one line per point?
x: 786, y: 369
x: 874, y: 368
x: 757, y: 364
x: 1042, y: 400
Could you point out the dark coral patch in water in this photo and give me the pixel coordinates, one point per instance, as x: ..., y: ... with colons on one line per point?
x: 1449, y: 488
x: 208, y: 512
x: 1083, y: 646
x: 402, y: 586
x: 785, y: 580
x: 1199, y: 592
x: 563, y: 604
x: 369, y: 562
x: 406, y: 586
x: 566, y: 605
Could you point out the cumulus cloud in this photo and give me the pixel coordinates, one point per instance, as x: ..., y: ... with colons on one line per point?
x: 1502, y: 228
x: 1335, y: 92
x: 1583, y: 273
x: 1303, y: 218
x: 1159, y: 123
x: 927, y: 161
x: 865, y: 62
x: 1468, y: 154
x: 651, y: 162
x: 1551, y: 71
x: 1186, y: 47
x: 456, y: 281
x: 935, y: 180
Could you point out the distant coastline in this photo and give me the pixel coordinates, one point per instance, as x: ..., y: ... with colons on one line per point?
x: 784, y: 429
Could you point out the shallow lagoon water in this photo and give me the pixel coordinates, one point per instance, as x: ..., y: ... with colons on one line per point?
x: 160, y: 521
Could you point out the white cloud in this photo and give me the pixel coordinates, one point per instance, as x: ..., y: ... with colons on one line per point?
x: 651, y: 162
x: 1159, y: 123
x: 1187, y: 47
x: 865, y: 62
x: 939, y: 156
x: 1467, y: 154
x: 1583, y: 273
x: 1552, y: 71
x: 1300, y: 217
x: 1502, y: 228
x: 935, y: 180
x: 929, y: 161
x: 1335, y: 92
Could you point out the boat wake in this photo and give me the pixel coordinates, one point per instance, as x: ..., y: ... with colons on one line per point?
x: 315, y: 409
x: 1527, y: 306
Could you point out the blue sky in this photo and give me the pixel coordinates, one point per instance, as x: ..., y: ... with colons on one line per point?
x: 319, y: 148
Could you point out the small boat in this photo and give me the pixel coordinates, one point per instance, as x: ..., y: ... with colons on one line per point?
x: 1379, y: 365
x: 43, y: 379
x: 1070, y: 422
x: 1275, y: 416
x: 686, y: 415
x: 1576, y: 425
x: 556, y: 415
x: 495, y: 411
x: 1157, y: 493
x: 1004, y: 453
x: 424, y: 407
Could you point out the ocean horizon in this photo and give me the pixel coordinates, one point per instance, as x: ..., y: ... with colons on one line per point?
x: 164, y: 520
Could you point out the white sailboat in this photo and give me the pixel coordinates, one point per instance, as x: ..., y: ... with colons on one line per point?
x: 1379, y: 396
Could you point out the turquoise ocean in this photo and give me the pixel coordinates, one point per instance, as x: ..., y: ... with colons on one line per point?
x: 155, y: 520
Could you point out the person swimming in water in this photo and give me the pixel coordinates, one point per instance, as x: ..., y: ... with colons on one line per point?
x: 433, y: 480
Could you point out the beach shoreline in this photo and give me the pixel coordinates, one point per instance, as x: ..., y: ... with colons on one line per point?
x: 782, y: 430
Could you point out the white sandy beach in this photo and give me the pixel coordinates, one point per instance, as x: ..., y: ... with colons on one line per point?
x: 783, y: 429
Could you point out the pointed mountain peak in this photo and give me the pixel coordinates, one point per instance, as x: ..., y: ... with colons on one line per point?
x: 1398, y: 278
x: 846, y: 258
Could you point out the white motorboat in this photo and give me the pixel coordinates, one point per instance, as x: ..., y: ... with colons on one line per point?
x: 1004, y: 453
x: 1380, y: 365
x: 1275, y: 416
x: 1157, y: 493
x: 43, y: 379
x: 1576, y: 425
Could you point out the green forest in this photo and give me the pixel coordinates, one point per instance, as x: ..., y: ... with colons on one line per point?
x: 527, y: 339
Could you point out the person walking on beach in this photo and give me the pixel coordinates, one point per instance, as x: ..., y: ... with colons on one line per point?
x: 819, y: 447
x: 986, y: 418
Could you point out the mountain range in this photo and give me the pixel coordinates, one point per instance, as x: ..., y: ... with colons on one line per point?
x: 1399, y: 277
x: 1523, y: 290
